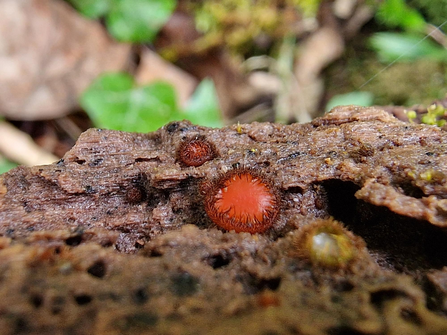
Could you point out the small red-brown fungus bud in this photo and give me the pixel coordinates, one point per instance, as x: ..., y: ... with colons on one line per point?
x: 196, y: 151
x: 134, y: 194
x: 327, y: 243
x: 242, y: 200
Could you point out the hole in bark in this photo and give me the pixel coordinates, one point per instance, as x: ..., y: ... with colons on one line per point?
x: 184, y: 284
x: 83, y: 299
x: 218, y: 261
x: 379, y: 297
x: 139, y: 244
x: 343, y: 286
x: 145, y: 159
x: 36, y: 300
x: 397, y: 242
x: 402, y: 244
x: 79, y: 161
x: 172, y: 127
x: 141, y: 295
x: 155, y: 253
x: 407, y: 188
x: 341, y: 200
x: 253, y: 284
x: 295, y: 190
x: 97, y: 269
x: 74, y: 240
x: 272, y: 284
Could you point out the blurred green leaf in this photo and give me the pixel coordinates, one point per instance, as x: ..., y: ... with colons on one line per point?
x: 353, y: 98
x: 107, y: 95
x: 6, y: 165
x: 129, y: 20
x: 396, y: 13
x: 114, y: 102
x: 138, y: 20
x: 92, y: 8
x: 391, y: 46
x: 203, y: 107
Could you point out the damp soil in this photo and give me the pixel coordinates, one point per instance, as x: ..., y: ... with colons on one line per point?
x: 114, y: 237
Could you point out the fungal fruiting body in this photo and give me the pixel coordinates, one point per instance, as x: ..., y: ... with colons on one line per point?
x: 330, y: 248
x: 242, y: 200
x: 196, y: 151
x: 327, y: 243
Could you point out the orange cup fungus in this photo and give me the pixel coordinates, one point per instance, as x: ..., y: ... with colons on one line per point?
x: 196, y: 151
x: 242, y: 200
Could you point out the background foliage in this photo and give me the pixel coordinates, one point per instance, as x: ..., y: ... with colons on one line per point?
x: 396, y: 57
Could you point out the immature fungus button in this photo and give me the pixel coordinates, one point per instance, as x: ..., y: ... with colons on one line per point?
x: 242, y: 200
x: 330, y: 248
x: 196, y: 151
x: 328, y: 243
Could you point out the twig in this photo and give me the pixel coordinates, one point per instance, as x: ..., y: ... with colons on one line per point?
x: 19, y: 147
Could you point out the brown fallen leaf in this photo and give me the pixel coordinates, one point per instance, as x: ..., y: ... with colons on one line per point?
x: 48, y: 55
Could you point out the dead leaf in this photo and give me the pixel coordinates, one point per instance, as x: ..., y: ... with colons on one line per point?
x: 48, y: 55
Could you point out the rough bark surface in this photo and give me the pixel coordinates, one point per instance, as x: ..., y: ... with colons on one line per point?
x: 114, y: 238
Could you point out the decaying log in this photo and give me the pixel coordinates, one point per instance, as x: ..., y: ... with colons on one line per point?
x: 114, y: 237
